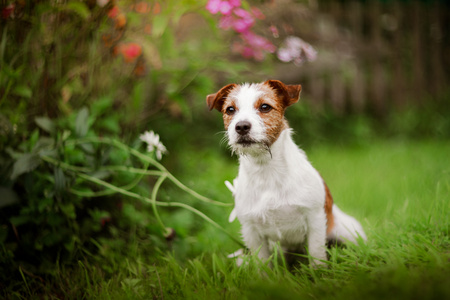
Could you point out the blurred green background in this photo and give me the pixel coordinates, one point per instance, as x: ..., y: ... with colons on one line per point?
x: 74, y: 74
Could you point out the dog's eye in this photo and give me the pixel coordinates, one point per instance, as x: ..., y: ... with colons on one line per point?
x: 230, y: 110
x: 265, y: 108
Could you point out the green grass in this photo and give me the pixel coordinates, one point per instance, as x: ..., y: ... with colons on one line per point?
x: 400, y: 192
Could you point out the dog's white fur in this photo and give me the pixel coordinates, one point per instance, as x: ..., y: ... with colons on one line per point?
x: 279, y: 196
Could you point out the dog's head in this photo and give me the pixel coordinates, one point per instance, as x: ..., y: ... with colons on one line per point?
x: 253, y: 114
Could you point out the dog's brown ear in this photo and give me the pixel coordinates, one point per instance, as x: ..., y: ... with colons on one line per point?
x: 290, y: 93
x: 216, y: 100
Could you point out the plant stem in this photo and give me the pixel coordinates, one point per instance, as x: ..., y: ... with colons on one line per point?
x: 159, y: 203
x: 153, y: 200
x: 150, y: 160
x: 162, y: 173
x: 129, y: 186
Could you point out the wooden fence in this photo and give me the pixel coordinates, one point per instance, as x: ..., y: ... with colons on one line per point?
x: 375, y: 56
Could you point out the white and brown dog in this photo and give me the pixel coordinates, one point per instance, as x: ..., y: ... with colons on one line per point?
x: 279, y: 196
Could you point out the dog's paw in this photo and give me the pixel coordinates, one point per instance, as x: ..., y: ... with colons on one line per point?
x: 318, y: 264
x: 238, y: 256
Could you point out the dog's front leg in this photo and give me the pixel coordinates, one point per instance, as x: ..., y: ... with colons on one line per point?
x: 317, y: 237
x: 254, y: 241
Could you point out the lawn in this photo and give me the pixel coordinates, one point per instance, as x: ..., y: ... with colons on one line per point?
x: 399, y: 190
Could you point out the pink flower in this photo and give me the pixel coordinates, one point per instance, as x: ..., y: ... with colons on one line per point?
x: 253, y: 46
x: 257, y: 41
x: 226, y: 22
x: 242, y: 13
x: 247, y: 52
x: 242, y: 25
x: 213, y: 6
x: 130, y: 51
x: 258, y: 14
x: 235, y: 3
x: 113, y: 12
x: 274, y: 31
x: 224, y: 7
x: 241, y: 20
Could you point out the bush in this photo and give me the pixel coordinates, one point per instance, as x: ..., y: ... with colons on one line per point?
x: 76, y: 77
x: 69, y: 187
x: 46, y: 211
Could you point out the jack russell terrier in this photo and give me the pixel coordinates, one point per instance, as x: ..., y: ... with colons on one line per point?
x: 279, y: 196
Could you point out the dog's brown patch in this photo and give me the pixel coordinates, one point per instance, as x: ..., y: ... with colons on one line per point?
x: 274, y: 121
x: 226, y: 117
x: 329, y: 209
x: 217, y: 100
x: 287, y: 93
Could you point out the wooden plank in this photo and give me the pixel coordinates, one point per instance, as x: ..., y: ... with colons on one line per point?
x: 418, y: 67
x: 399, y: 91
x: 377, y: 84
x: 337, y: 95
x: 436, y: 44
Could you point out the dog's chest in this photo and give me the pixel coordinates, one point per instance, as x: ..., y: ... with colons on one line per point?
x: 285, y: 224
x: 274, y: 205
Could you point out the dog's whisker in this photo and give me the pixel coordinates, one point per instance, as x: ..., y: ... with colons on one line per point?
x: 221, y: 132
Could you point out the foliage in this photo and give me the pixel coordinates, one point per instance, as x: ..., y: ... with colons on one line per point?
x: 67, y: 98
x: 125, y: 49
x: 47, y: 218
x: 46, y: 213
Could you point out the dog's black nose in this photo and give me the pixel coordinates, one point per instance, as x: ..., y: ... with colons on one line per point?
x: 243, y: 127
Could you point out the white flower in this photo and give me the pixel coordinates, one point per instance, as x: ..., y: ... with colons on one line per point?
x: 153, y: 143
x: 296, y: 50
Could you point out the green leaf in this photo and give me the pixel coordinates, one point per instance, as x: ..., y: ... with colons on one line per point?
x: 7, y: 197
x: 160, y: 23
x: 45, y: 124
x: 69, y: 210
x: 23, y: 91
x: 33, y: 138
x: 102, y: 105
x: 45, y: 203
x: 19, y: 220
x: 60, y: 180
x: 81, y: 122
x: 43, y: 144
x: 110, y: 124
x: 79, y: 8
x: 25, y: 164
x: 66, y: 134
x: 70, y: 245
x: 55, y: 220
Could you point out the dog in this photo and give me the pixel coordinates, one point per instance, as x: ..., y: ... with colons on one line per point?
x: 280, y: 198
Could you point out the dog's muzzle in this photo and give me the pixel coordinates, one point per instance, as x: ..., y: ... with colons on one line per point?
x: 243, y: 127
x: 243, y: 130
